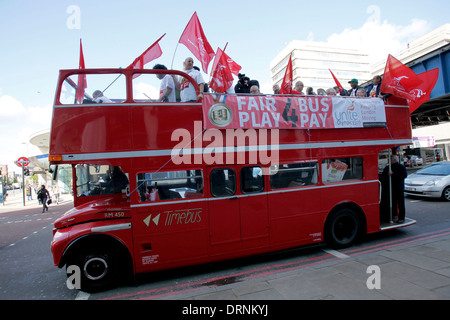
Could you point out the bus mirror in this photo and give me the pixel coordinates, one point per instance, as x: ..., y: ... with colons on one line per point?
x: 55, y: 172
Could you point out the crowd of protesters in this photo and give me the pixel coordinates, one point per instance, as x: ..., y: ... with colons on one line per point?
x: 244, y: 85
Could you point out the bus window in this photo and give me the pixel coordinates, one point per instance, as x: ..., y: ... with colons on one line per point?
x: 223, y: 182
x: 170, y: 185
x: 146, y: 88
x: 95, y: 180
x: 98, y: 88
x: 293, y: 175
x: 336, y: 170
x: 252, y: 179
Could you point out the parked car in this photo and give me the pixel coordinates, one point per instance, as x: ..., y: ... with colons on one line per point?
x: 432, y: 181
x: 412, y: 161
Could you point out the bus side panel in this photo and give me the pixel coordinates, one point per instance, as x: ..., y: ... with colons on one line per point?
x: 170, y: 235
x: 363, y: 194
x: 294, y: 216
x: 372, y: 209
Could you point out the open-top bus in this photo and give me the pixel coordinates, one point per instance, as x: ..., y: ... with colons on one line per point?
x: 164, y: 185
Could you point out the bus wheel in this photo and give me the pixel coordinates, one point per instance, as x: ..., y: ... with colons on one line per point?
x: 342, y: 229
x: 98, y: 268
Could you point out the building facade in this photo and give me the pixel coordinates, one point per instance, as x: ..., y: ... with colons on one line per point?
x: 312, y: 62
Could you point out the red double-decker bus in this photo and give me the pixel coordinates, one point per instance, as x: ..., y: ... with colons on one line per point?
x: 163, y: 185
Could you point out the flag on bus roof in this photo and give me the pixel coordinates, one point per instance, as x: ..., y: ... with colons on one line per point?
x: 338, y: 84
x: 234, y: 67
x: 153, y: 52
x: 82, y: 84
x: 286, y: 85
x: 423, y: 91
x: 399, y: 80
x: 195, y: 40
x: 222, y: 77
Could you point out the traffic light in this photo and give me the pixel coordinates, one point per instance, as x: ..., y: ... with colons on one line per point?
x: 26, y: 172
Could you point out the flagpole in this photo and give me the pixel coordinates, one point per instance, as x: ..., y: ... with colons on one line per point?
x: 112, y: 82
x: 390, y: 188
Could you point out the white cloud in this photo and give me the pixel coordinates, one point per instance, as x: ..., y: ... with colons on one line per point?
x: 17, y: 124
x: 378, y: 39
x: 10, y: 107
x: 144, y: 91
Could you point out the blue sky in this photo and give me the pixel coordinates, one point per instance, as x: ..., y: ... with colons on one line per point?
x: 36, y: 41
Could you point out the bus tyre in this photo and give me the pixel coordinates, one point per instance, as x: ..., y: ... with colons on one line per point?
x: 98, y: 268
x: 342, y: 229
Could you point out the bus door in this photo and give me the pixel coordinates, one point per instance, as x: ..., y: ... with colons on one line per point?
x: 224, y: 215
x: 253, y: 204
x: 238, y: 206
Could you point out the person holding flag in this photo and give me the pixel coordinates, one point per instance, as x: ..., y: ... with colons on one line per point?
x: 195, y: 40
x: 187, y: 89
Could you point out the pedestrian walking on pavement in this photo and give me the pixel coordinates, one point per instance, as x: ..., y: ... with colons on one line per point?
x: 56, y: 193
x: 29, y: 194
x: 43, y: 196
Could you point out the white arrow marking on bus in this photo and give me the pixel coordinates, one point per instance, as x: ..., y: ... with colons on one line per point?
x: 147, y: 220
x: 155, y: 220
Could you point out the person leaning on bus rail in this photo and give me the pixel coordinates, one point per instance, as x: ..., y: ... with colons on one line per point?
x: 99, y: 97
x: 299, y: 87
x: 276, y: 89
x: 254, y: 89
x: 398, y: 175
x: 354, y: 87
x: 310, y: 91
x: 167, y: 88
x: 187, y: 90
x: 361, y: 93
x: 321, y: 92
x: 373, y: 90
x: 331, y: 92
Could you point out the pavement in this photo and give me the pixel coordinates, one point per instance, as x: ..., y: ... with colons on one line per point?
x: 14, y: 201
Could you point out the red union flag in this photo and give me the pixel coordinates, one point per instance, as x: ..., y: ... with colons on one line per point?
x: 234, y: 67
x: 195, y: 40
x: 399, y: 80
x: 286, y: 85
x: 338, y: 84
x: 222, y: 77
x: 153, y: 52
x: 423, y: 91
x: 82, y: 84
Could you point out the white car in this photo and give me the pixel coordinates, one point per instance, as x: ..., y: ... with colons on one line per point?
x: 432, y: 181
x: 415, y: 160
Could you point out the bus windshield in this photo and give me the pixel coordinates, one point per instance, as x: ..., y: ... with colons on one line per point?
x: 93, y: 180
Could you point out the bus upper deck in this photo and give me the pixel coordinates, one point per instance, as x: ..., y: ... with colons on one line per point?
x: 135, y: 126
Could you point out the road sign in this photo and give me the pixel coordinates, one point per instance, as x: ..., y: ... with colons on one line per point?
x: 22, y: 162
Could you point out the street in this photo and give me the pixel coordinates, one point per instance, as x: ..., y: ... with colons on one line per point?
x: 414, y: 264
